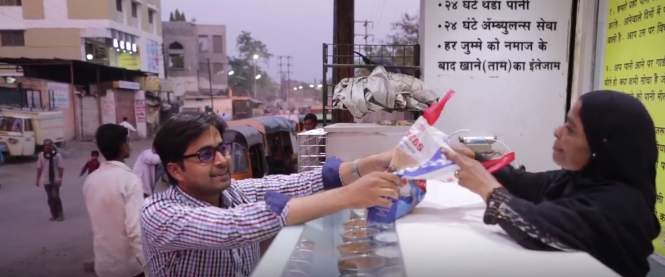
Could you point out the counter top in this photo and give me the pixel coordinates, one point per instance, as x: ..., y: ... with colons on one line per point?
x: 445, y: 234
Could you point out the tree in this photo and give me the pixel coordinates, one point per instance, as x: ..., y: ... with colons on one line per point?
x: 400, y: 41
x: 242, y: 80
x: 177, y: 16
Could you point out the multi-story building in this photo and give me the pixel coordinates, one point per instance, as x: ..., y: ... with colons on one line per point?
x: 119, y: 33
x: 198, y: 64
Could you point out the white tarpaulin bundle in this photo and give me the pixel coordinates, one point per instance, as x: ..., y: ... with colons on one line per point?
x: 382, y: 90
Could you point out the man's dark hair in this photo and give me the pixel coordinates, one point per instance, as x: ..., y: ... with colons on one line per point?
x: 48, y: 140
x: 110, y: 138
x: 94, y: 153
x: 175, y: 135
x: 310, y: 116
x: 124, y: 119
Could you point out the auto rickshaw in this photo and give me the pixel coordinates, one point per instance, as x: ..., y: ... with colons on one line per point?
x: 246, y: 147
x: 281, y: 142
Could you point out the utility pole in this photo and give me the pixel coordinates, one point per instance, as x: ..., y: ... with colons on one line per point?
x: 166, y: 73
x: 212, y: 109
x: 286, y: 72
x: 367, y: 25
x: 343, y: 34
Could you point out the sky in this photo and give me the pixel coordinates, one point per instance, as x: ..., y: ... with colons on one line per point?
x: 290, y: 27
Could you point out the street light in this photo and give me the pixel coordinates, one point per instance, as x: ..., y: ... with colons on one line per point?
x: 295, y: 88
x: 311, y: 86
x: 231, y: 72
x: 255, y: 57
x: 300, y: 87
x: 319, y: 86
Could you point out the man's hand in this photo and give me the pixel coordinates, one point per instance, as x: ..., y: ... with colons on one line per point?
x: 58, y: 183
x: 373, y: 189
x: 378, y: 162
x: 37, y: 183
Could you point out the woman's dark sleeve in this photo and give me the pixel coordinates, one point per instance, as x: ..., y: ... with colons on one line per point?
x: 525, y: 185
x: 506, y: 210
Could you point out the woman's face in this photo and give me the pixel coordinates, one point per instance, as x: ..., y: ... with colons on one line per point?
x: 571, y: 150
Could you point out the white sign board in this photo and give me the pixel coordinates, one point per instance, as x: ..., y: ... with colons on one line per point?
x: 58, y: 94
x: 508, y: 63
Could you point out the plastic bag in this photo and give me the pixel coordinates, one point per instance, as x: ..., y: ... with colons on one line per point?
x: 418, y: 158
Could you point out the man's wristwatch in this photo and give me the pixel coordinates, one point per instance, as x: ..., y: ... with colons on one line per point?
x: 354, y: 169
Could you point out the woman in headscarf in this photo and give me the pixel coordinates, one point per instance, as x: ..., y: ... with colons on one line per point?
x: 602, y: 202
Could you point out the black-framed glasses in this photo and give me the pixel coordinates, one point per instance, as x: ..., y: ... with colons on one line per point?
x: 207, y: 154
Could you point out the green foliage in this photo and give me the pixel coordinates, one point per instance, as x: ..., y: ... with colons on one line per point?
x: 403, y: 34
x: 177, y: 16
x: 242, y: 80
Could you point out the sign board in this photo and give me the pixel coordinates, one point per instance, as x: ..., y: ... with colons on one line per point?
x: 508, y: 63
x: 129, y: 61
x: 634, y: 63
x: 58, y: 94
x: 139, y: 109
x: 127, y: 85
x: 152, y: 52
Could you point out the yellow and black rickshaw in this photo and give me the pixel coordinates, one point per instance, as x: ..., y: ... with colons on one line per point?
x: 281, y: 143
x: 247, y: 149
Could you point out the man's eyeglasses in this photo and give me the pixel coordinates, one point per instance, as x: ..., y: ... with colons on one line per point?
x: 207, y: 154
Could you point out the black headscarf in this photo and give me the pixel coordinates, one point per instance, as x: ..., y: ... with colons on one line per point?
x: 607, y: 209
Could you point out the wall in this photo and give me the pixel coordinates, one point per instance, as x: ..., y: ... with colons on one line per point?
x: 107, y: 103
x: 521, y: 107
x: 219, y: 78
x: 61, y: 43
x: 95, y: 23
x: 184, y: 33
x: 68, y: 112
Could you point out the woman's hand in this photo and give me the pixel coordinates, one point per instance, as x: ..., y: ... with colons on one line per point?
x: 378, y: 162
x: 462, y: 149
x: 473, y: 175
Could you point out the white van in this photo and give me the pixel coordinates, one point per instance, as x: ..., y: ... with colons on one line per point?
x: 22, y: 133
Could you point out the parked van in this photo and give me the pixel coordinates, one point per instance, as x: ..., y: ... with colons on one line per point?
x: 22, y: 133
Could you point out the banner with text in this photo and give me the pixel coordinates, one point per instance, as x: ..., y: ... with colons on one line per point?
x: 635, y: 64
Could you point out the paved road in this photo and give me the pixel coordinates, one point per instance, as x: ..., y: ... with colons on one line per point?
x: 30, y: 244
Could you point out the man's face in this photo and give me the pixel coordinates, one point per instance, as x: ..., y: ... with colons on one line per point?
x: 48, y: 146
x: 309, y: 125
x: 204, y: 177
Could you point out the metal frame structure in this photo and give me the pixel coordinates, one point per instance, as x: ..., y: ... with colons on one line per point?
x: 399, y: 54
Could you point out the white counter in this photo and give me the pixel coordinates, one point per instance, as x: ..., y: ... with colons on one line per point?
x: 445, y: 234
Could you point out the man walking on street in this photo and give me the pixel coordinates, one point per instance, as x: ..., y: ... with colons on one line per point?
x: 145, y: 168
x: 113, y: 197
x: 51, y: 162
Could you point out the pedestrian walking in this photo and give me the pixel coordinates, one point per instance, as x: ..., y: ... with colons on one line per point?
x: 51, y: 162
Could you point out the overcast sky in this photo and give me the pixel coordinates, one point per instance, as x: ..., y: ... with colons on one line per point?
x: 290, y: 27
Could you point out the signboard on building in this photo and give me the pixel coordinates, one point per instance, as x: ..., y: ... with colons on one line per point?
x: 633, y: 63
x: 152, y: 52
x: 496, y: 55
x: 126, y: 85
x: 166, y: 85
x: 139, y: 109
x: 129, y: 61
x: 58, y: 94
x: 150, y: 83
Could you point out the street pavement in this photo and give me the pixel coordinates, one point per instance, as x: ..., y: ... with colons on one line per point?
x: 30, y: 244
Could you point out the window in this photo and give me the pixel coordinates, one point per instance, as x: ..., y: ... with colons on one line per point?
x: 28, y: 125
x: 10, y: 3
x: 218, y: 44
x: 240, y: 162
x: 203, y: 44
x: 34, y: 98
x: 12, y: 38
x: 118, y: 5
x: 176, y: 46
x: 217, y: 68
x: 151, y: 14
x: 135, y: 8
x: 176, y: 61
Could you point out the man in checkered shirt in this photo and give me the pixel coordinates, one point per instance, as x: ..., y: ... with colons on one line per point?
x: 208, y: 225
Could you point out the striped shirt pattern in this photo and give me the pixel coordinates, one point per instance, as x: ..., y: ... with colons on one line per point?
x: 185, y: 237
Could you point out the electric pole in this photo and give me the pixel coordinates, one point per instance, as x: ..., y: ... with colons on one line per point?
x: 368, y: 25
x: 210, y: 86
x: 286, y: 72
x: 343, y: 34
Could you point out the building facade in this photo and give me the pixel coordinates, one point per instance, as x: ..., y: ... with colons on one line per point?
x: 197, y: 60
x: 119, y: 33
